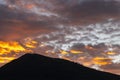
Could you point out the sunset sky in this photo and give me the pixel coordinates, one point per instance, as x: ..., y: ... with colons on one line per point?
x: 61, y: 27
x: 21, y: 18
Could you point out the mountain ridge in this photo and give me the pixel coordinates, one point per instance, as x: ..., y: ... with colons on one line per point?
x: 37, y: 67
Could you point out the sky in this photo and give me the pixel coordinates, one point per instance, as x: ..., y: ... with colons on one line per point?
x: 61, y: 24
x: 21, y: 18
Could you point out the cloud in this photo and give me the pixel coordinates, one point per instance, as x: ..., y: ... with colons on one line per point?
x: 15, y: 30
x: 23, y: 18
x: 78, y: 11
x: 89, y: 11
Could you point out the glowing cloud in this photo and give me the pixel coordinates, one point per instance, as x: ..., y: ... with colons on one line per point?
x: 12, y: 49
x: 101, y: 61
x: 9, y: 47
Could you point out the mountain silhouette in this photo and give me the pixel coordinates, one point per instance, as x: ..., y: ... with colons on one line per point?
x: 38, y: 67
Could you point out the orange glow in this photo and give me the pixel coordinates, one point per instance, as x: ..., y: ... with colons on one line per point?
x: 6, y: 59
x: 30, y: 43
x: 76, y: 51
x: 101, y: 61
x: 9, y: 47
x: 89, y: 47
x: 110, y: 53
x: 30, y: 6
x: 66, y: 58
x: 10, y: 50
x: 84, y: 61
x: 63, y: 52
x: 87, y: 64
x: 71, y: 51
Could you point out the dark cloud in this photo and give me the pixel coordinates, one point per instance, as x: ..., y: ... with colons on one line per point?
x: 90, y: 11
x: 15, y: 30
x: 7, y: 13
x: 18, y: 18
x: 76, y: 11
x: 17, y: 24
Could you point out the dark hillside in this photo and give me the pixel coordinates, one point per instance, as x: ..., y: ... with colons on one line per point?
x: 38, y: 67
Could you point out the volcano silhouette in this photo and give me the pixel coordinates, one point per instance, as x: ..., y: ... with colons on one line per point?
x: 38, y: 67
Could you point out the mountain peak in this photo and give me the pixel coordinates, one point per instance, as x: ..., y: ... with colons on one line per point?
x: 34, y: 66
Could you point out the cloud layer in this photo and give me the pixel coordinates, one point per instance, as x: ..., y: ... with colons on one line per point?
x: 22, y: 18
x: 63, y: 23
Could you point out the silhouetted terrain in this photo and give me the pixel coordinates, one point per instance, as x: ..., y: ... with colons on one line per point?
x: 38, y: 67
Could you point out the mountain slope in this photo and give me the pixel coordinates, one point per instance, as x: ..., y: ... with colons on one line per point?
x: 38, y: 67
